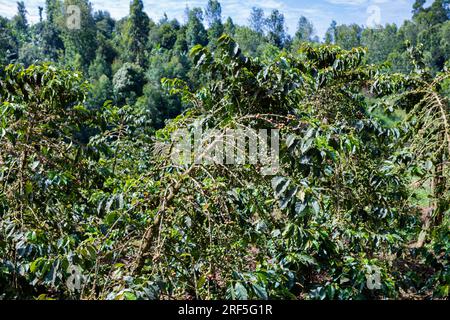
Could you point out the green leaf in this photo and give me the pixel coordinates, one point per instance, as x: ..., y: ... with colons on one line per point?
x: 306, y: 260
x: 28, y: 188
x: 280, y: 184
x: 34, y: 265
x: 129, y: 296
x: 240, y: 291
x: 316, y: 207
x: 300, y: 208
x: 290, y: 141
x: 286, y: 199
x: 201, y: 282
x: 34, y: 165
x: 260, y: 291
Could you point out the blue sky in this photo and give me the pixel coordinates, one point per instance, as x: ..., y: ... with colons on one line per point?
x: 320, y: 12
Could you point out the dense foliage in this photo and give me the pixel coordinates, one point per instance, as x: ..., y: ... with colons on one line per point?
x: 89, y: 193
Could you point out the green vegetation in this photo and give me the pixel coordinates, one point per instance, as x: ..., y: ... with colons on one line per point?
x: 87, y: 181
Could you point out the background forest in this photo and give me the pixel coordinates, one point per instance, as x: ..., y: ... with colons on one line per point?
x: 91, y: 206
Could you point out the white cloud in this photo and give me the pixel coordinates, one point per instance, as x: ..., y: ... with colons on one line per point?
x: 348, y: 2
